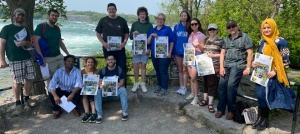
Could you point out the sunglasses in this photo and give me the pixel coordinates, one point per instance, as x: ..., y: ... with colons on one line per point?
x: 212, y: 29
x: 194, y: 24
x: 231, y: 26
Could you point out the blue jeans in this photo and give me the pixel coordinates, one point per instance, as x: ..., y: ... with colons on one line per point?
x: 122, y: 94
x: 161, y: 66
x: 261, y: 95
x: 228, y: 87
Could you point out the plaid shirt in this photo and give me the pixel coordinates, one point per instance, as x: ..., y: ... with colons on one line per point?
x: 236, y: 50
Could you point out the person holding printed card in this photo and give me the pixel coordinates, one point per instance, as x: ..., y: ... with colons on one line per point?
x: 66, y: 81
x: 15, y: 38
x: 197, y: 38
x: 210, y: 83
x: 278, y: 91
x: 111, y: 69
x: 161, y: 64
x: 140, y: 28
x: 88, y: 100
x: 116, y: 28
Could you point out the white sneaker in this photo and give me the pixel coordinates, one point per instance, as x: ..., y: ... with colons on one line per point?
x: 195, y: 101
x: 144, y: 89
x: 134, y: 88
x: 183, y: 91
x: 191, y: 96
x: 179, y: 91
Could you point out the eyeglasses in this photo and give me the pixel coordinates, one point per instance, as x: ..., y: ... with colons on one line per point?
x: 231, y: 26
x: 194, y: 24
x: 212, y: 29
x: 110, y: 59
x: 160, y: 18
x: 52, y: 15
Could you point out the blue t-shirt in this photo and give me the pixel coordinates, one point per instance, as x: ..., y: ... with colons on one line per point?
x: 114, y: 72
x: 181, y: 36
x: 164, y: 31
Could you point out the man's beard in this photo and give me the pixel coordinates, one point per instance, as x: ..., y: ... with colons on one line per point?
x: 52, y: 22
x: 20, y: 21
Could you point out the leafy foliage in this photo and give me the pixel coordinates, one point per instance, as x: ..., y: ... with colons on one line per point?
x: 249, y: 14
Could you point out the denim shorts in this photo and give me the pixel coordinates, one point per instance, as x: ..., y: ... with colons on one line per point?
x: 136, y: 58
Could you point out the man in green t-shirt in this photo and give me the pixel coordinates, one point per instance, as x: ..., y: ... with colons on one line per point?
x: 51, y: 34
x: 15, y: 42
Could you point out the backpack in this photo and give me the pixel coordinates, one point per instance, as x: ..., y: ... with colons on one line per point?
x: 119, y: 71
x: 238, y: 109
x: 43, y: 31
x: 45, y: 50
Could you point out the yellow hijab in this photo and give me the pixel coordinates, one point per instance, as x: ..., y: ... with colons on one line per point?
x: 272, y: 50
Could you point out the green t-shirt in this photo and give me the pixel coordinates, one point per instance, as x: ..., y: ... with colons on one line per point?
x: 52, y: 36
x: 13, y: 52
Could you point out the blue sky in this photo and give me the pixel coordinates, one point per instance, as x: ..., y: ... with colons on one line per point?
x: 123, y: 6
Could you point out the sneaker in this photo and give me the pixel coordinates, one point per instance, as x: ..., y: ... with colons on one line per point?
x: 98, y: 120
x: 85, y: 118
x: 30, y: 102
x: 93, y: 118
x: 183, y: 91
x: 179, y: 91
x: 144, y: 89
x: 134, y: 88
x: 18, y: 110
x: 195, y: 101
x: 163, y: 92
x: 191, y: 96
x: 157, y: 90
x: 124, y: 117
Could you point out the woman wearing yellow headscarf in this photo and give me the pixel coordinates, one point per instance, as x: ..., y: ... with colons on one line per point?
x: 277, y: 94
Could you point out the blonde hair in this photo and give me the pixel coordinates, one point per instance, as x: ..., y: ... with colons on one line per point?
x: 160, y: 14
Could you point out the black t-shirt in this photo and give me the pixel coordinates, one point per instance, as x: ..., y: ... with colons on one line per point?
x: 112, y: 73
x: 112, y: 27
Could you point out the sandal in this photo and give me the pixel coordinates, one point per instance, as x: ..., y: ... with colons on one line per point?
x: 211, y: 108
x: 203, y: 103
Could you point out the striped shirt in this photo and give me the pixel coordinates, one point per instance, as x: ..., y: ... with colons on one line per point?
x: 67, y: 82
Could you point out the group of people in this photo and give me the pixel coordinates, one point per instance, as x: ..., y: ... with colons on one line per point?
x: 232, y: 58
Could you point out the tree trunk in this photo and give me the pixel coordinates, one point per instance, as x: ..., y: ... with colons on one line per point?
x: 28, y: 6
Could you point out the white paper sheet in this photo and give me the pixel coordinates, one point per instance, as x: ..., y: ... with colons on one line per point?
x: 45, y: 71
x: 66, y: 105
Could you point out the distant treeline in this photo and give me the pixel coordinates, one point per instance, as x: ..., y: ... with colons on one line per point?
x: 94, y: 17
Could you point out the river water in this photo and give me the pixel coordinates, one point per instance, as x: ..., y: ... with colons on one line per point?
x: 79, y: 38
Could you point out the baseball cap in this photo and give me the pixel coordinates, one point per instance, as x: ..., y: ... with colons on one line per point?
x: 18, y: 11
x: 231, y: 23
x: 212, y: 26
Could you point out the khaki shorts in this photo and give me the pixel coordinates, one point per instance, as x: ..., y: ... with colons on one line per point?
x: 21, y: 70
x: 54, y: 63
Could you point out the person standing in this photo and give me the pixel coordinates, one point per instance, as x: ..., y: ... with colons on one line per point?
x: 52, y: 35
x: 161, y: 64
x: 88, y: 100
x: 142, y: 26
x: 66, y: 81
x: 197, y: 38
x: 181, y: 36
x: 15, y: 39
x: 235, y: 61
x: 210, y: 83
x: 278, y: 91
x: 113, y: 25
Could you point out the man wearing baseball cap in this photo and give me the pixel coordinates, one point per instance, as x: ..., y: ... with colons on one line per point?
x: 235, y: 61
x: 15, y: 39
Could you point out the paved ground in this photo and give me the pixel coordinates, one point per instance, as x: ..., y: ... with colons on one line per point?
x: 148, y: 113
x: 146, y: 116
